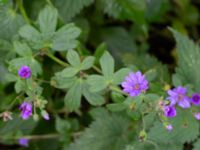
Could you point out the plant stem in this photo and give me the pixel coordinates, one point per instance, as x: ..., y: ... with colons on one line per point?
x: 62, y: 63
x: 153, y: 143
x: 47, y: 136
x: 116, y: 89
x: 13, y: 102
x: 23, y: 12
x: 96, y: 69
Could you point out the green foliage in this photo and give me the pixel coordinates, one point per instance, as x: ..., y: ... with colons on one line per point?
x: 129, y: 9
x: 62, y: 39
x: 78, y: 87
x: 108, y: 77
x: 68, y: 9
x: 10, y: 21
x: 106, y: 132
x: 188, y: 53
x: 186, y: 129
x: 79, y: 53
x: 196, y: 145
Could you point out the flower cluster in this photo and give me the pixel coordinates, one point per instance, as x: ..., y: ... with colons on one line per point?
x: 178, y: 96
x: 135, y: 84
x: 26, y: 107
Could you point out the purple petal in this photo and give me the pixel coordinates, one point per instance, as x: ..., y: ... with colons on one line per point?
x: 184, y: 103
x: 169, y: 127
x: 197, y: 116
x: 23, y: 142
x: 195, y: 99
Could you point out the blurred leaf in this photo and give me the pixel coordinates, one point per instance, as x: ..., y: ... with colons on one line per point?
x: 92, y: 97
x: 96, y: 82
x: 186, y: 129
x: 106, y: 132
x: 107, y: 65
x: 116, y: 107
x: 10, y: 22
x: 188, y: 60
x: 196, y: 145
x: 73, y: 97
x: 73, y: 58
x: 119, y: 76
x: 22, y: 49
x: 62, y: 126
x: 48, y: 20
x: 125, y: 9
x: 64, y: 38
x: 69, y: 8
x: 87, y: 63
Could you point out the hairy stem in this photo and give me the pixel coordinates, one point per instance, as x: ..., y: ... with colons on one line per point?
x: 36, y: 137
x: 23, y: 12
x: 62, y: 63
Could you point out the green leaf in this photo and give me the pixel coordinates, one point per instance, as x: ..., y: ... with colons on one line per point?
x: 130, y: 9
x: 188, y: 60
x: 116, y: 107
x: 92, y: 97
x: 176, y: 80
x: 107, y: 132
x: 64, y: 38
x: 10, y: 22
x: 119, y: 42
x: 186, y: 129
x: 73, y: 97
x: 48, y: 20
x: 62, y: 82
x: 87, y: 63
x: 107, y: 65
x: 69, y: 8
x: 22, y: 49
x: 69, y: 72
x: 119, y: 76
x: 73, y: 58
x: 97, y: 83
x: 62, y: 126
x: 117, y: 97
x: 20, y: 86
x: 196, y: 145
x: 151, y: 74
x: 29, y: 33
x: 100, y: 51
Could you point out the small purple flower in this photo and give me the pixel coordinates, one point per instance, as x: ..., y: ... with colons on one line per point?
x: 169, y: 127
x: 24, y: 72
x: 178, y: 95
x: 23, y: 142
x: 197, y: 116
x: 46, y: 116
x: 26, y: 110
x: 195, y: 99
x: 169, y: 111
x: 135, y: 83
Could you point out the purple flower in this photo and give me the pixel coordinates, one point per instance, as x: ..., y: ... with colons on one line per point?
x: 135, y: 83
x: 23, y: 142
x: 169, y: 111
x: 46, y: 116
x: 197, y: 116
x: 26, y: 110
x: 178, y: 95
x: 195, y: 99
x: 24, y: 72
x: 169, y: 127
